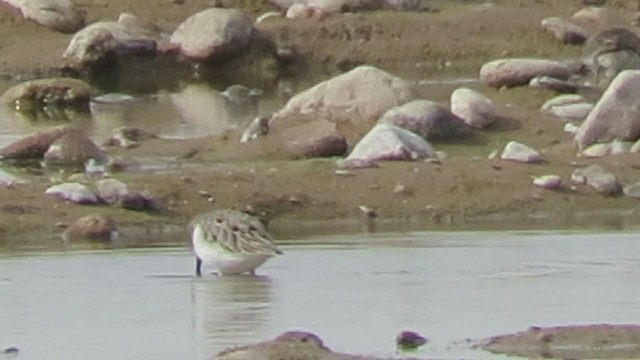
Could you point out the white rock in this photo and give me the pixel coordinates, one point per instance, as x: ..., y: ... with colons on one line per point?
x: 562, y: 100
x: 616, y: 115
x: 597, y: 150
x: 515, y: 151
x: 473, y: 107
x: 551, y: 182
x: 74, y: 192
x: 515, y: 72
x: 570, y: 128
x: 390, y: 142
x: 59, y: 15
x: 572, y: 111
x: 564, y: 30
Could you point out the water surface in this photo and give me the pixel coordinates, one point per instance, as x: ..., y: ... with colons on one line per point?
x: 145, y: 304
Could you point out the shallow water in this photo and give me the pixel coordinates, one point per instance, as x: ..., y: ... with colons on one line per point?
x: 145, y: 304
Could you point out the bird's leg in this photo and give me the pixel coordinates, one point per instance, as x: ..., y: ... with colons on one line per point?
x: 198, y: 266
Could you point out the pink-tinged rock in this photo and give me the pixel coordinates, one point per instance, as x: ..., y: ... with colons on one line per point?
x: 564, y: 30
x: 213, y: 34
x: 516, y: 72
x: 515, y: 151
x: 551, y: 182
x: 428, y: 119
x: 100, y: 40
x: 336, y: 6
x: 473, y: 107
x: 302, y: 11
x: 616, y: 115
x: 93, y: 227
x: 574, y: 107
x: 319, y: 138
x: 364, y: 93
x: 390, y: 142
x: 596, y: 15
x: 600, y: 179
x: 74, y: 192
x: 73, y: 148
x: 59, y: 15
x: 32, y: 146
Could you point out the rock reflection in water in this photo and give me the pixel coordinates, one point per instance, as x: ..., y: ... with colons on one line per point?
x: 227, y: 306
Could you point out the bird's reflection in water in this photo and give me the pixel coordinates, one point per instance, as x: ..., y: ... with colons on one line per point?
x: 229, y: 310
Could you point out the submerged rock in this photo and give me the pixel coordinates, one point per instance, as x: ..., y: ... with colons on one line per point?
x: 74, y: 192
x: 213, y: 34
x: 73, y: 148
x: 520, y: 71
x: 59, y: 15
x: 364, y: 93
x: 92, y: 227
x: 428, y: 119
x: 515, y: 151
x: 390, y: 142
x: 49, y: 91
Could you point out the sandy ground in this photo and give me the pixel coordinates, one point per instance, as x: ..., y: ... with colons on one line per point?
x: 259, y: 174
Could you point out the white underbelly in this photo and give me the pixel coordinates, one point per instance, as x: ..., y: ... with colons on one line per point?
x: 225, y: 262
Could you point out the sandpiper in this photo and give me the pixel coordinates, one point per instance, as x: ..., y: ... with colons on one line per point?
x: 234, y: 242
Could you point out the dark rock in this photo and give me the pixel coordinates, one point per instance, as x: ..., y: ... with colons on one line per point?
x: 315, y: 139
x: 93, y: 227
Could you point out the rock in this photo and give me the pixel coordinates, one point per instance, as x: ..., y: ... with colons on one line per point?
x: 33, y: 146
x: 59, y: 15
x: 410, y: 340
x: 364, y: 93
x: 302, y: 11
x: 9, y: 180
x: 578, y: 111
x: 390, y: 142
x: 213, y: 34
x: 266, y: 16
x: 103, y: 40
x: 428, y: 119
x: 128, y: 137
x: 116, y: 193
x: 608, y: 65
x: 515, y: 72
x: 601, y: 180
x: 562, y: 100
x: 72, y: 149
x: 335, y: 6
x: 551, y: 182
x: 515, y: 151
x: 95, y: 227
x: 611, y: 51
x: 74, y: 192
x: 473, y: 107
x: 632, y: 190
x: 134, y: 23
x: 553, y: 84
x: 570, y: 128
x: 315, y: 139
x: 564, y: 30
x: 598, y: 16
x: 596, y: 150
x: 616, y: 115
x: 357, y: 164
x: 620, y: 147
x: 259, y: 127
x: 49, y: 91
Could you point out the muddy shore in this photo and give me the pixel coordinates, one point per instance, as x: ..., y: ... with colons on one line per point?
x: 449, y: 39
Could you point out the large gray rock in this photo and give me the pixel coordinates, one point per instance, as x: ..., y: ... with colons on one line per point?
x: 475, y: 109
x: 319, y: 138
x: 564, y: 30
x: 362, y: 93
x: 59, y: 15
x: 213, y: 34
x: 390, y: 142
x: 74, y: 192
x: 616, y: 115
x: 101, y: 40
x: 599, y: 179
x: 49, y: 91
x: 428, y: 119
x: 516, y: 72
